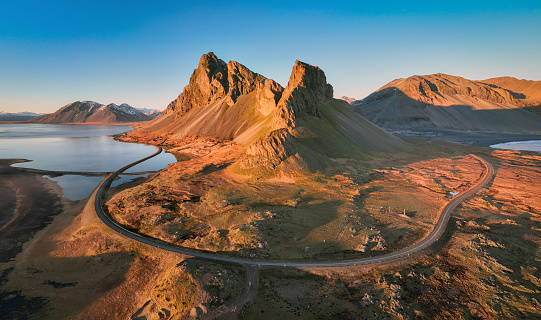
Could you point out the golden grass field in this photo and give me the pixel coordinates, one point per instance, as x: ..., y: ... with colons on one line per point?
x: 487, y: 265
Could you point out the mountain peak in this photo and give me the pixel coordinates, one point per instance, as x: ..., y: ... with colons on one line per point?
x: 210, y: 61
x: 310, y: 77
x: 214, y: 80
x: 306, y: 90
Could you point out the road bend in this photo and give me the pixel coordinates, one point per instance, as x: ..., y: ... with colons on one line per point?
x: 436, y: 233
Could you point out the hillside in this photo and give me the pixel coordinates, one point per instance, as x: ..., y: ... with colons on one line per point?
x: 93, y: 112
x: 450, y: 102
x: 526, y: 91
x: 301, y: 125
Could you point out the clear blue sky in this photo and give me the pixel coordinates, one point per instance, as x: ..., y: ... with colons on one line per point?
x: 143, y: 52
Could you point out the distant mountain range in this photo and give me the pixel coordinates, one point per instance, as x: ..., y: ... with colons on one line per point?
x: 297, y: 127
x: 18, y: 116
x: 451, y: 102
x: 93, y: 112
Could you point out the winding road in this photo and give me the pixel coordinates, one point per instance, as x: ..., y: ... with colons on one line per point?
x: 252, y: 266
x: 436, y: 233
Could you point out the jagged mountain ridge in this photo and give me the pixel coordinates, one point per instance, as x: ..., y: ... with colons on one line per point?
x: 449, y: 102
x: 300, y: 124
x: 93, y: 112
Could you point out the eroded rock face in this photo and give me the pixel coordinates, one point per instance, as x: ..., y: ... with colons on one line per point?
x: 241, y: 81
x: 213, y: 80
x: 207, y: 83
x: 268, y: 95
x: 306, y: 90
x: 271, y: 150
x: 304, y: 94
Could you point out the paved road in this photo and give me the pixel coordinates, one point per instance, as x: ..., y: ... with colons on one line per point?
x: 422, y: 245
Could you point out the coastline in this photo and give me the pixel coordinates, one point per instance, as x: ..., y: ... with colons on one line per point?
x: 129, y: 124
x: 528, y: 145
x: 32, y: 202
x: 472, y: 138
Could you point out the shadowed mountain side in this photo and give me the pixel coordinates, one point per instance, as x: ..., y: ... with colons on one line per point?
x: 391, y: 108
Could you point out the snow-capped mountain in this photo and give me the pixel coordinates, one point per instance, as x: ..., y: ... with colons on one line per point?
x: 93, y: 112
x: 17, y: 116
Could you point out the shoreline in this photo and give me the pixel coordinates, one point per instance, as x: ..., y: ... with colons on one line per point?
x: 472, y: 138
x: 33, y: 200
x: 129, y: 124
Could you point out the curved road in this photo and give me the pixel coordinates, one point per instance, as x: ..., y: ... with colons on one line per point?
x: 439, y: 229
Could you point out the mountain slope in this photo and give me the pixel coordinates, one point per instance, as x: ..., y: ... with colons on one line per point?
x: 300, y: 125
x: 526, y: 91
x: 93, y: 112
x: 221, y: 101
x: 444, y: 101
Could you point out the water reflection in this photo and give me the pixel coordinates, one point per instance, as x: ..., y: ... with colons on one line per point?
x: 75, y: 187
x: 77, y: 149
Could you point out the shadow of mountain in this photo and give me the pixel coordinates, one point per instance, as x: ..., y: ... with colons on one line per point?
x: 77, y: 281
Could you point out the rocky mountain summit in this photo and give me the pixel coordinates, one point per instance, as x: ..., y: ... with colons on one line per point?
x: 347, y: 99
x: 93, y: 112
x: 451, y: 102
x: 299, y: 126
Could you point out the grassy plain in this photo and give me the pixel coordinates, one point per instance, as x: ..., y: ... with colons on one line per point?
x: 354, y: 209
x: 486, y: 268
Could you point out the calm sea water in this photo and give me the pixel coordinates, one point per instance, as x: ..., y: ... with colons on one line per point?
x: 533, y: 145
x: 76, y: 148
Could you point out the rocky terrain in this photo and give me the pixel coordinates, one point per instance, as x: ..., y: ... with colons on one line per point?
x: 93, y: 112
x: 449, y: 102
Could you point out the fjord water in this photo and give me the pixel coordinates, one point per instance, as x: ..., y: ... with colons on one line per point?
x: 76, y: 148
x: 532, y: 145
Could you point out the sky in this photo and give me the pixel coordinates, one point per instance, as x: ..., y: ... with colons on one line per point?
x: 143, y: 52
